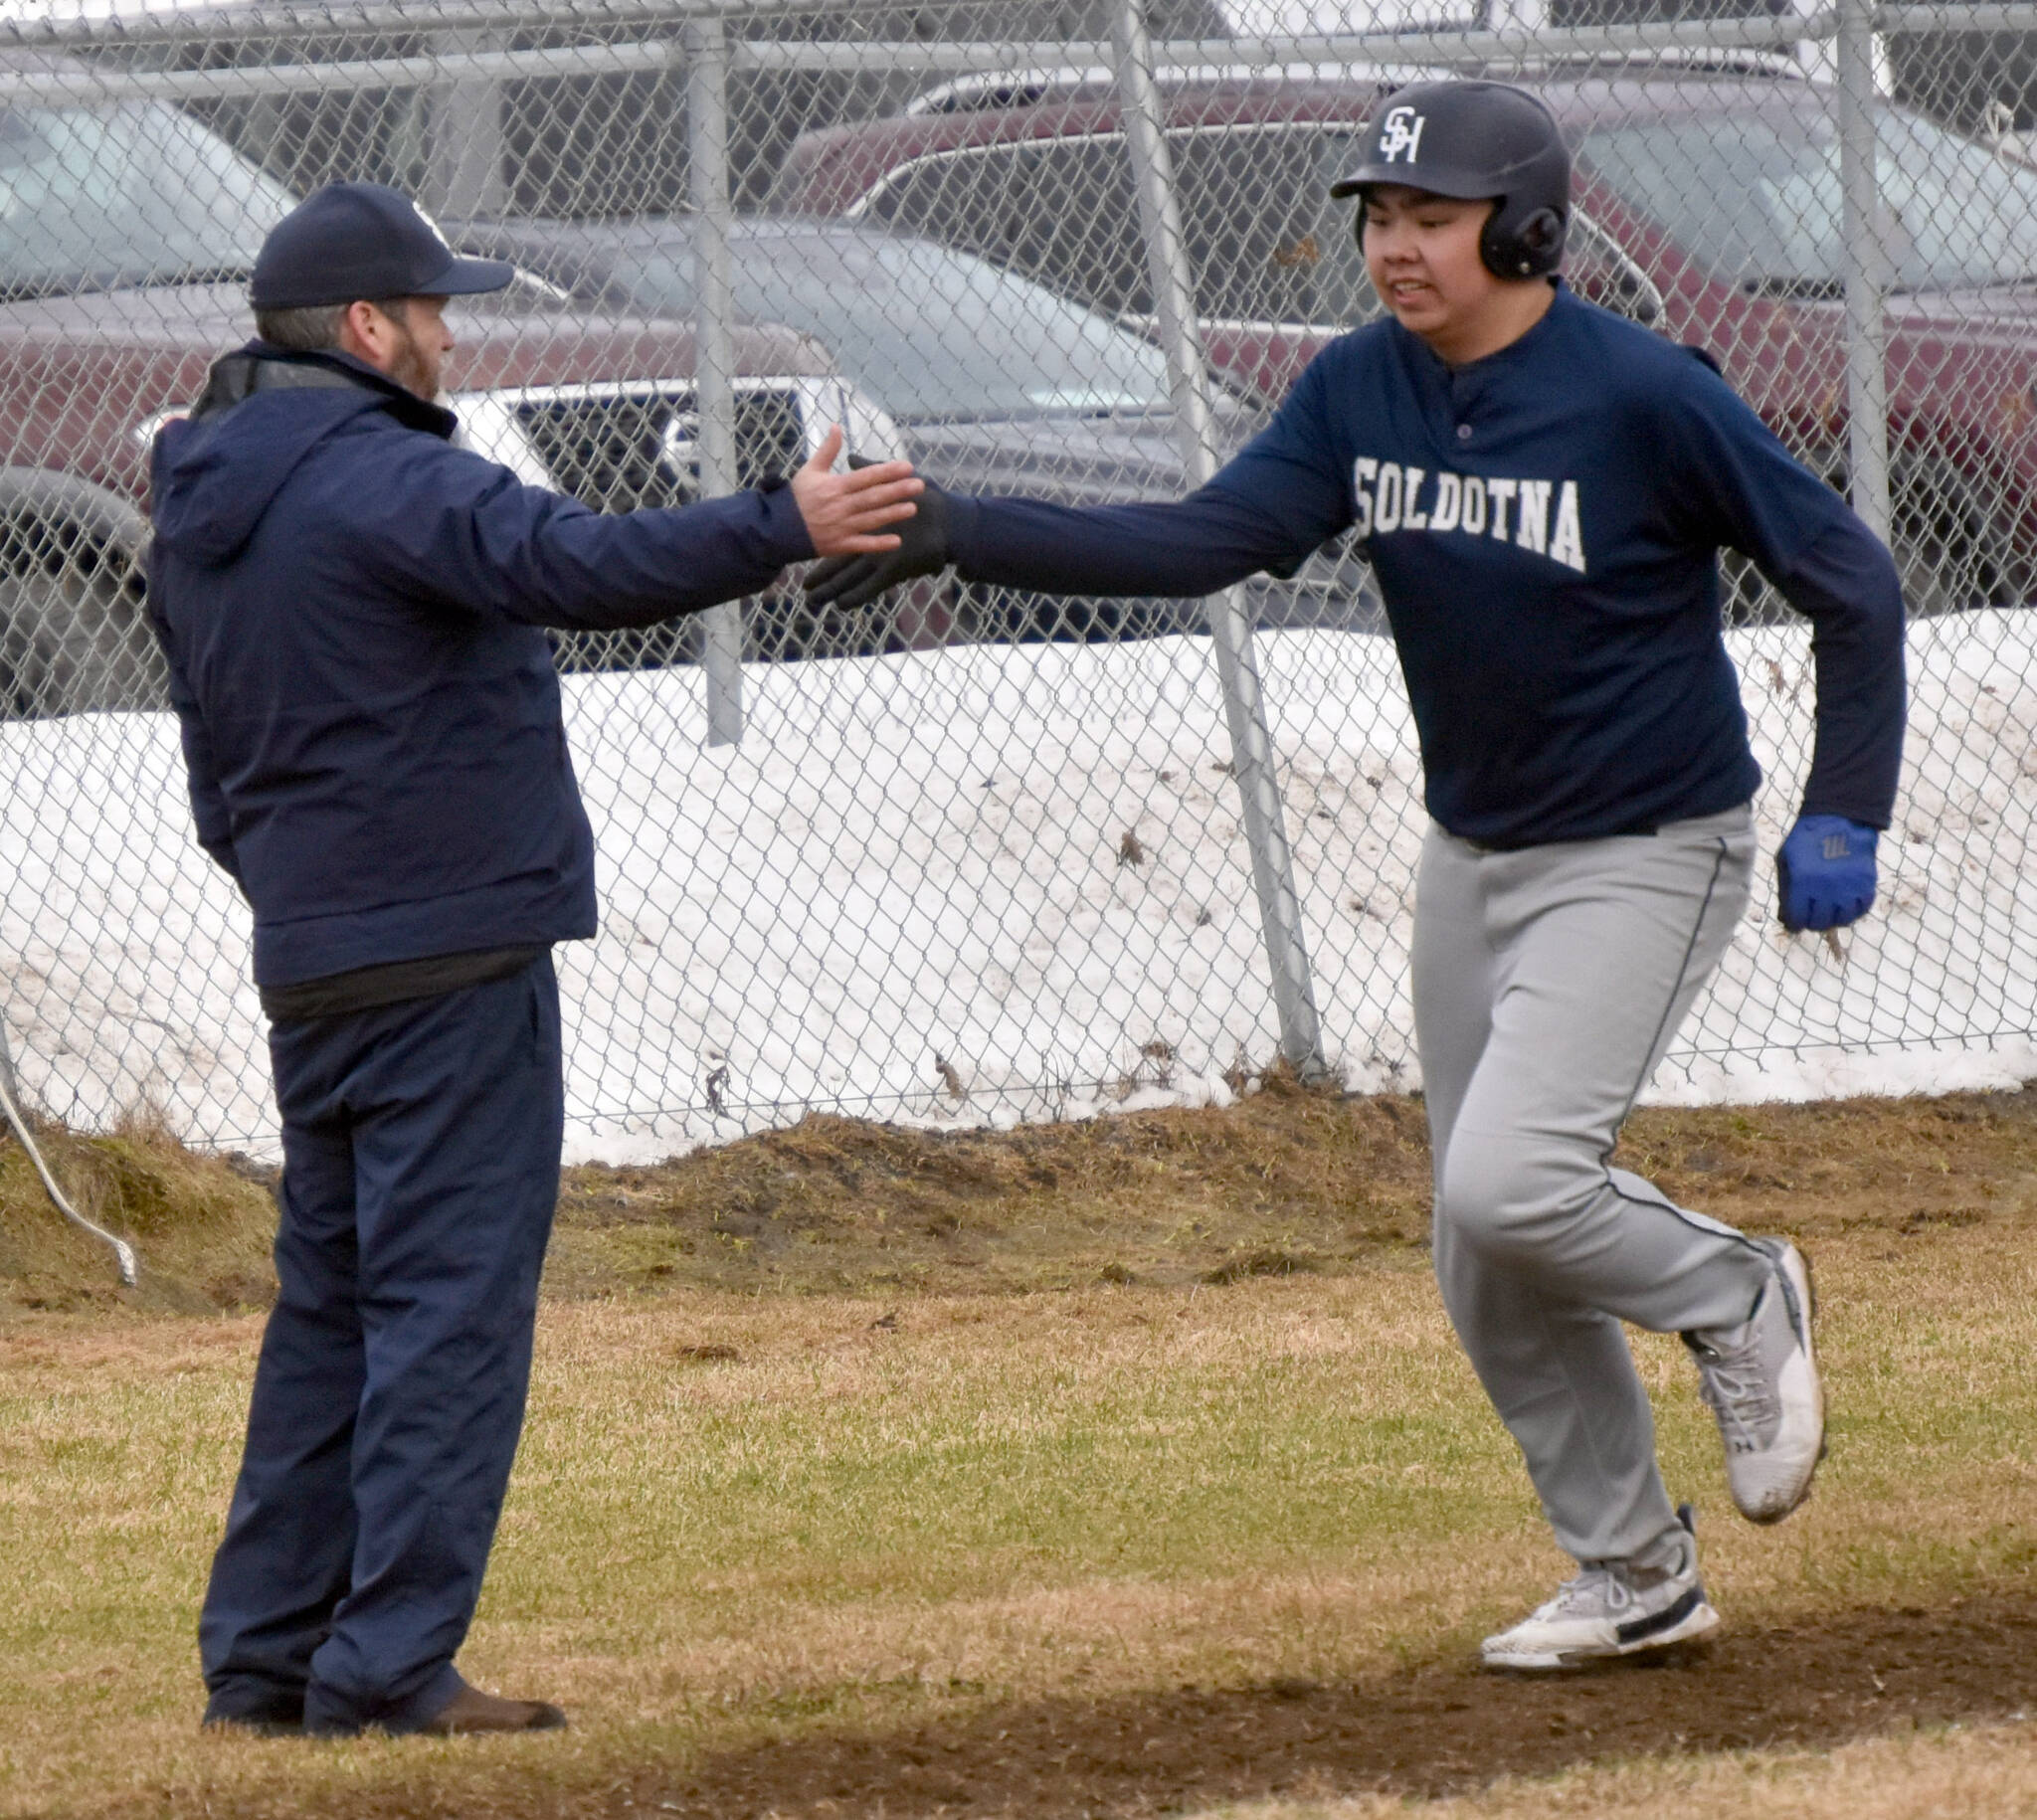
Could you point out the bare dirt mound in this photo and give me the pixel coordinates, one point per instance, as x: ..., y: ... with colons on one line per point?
x: 201, y: 1224
x: 1437, y: 1728
x: 1287, y: 1179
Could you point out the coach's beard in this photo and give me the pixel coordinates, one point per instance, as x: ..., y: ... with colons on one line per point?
x: 414, y: 370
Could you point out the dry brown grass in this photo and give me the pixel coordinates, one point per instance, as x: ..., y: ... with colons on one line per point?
x: 1973, y: 1773
x: 1286, y: 1180
x: 861, y: 1447
x: 780, y: 1558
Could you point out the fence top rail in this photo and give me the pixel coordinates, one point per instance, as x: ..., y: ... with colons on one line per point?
x: 2019, y: 17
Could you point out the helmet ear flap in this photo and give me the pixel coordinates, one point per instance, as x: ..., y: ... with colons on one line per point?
x: 1530, y: 248
x: 1543, y: 234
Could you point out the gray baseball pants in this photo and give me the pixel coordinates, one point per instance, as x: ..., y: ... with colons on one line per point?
x: 1547, y: 983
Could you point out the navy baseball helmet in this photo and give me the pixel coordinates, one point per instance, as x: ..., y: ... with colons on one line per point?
x: 1475, y: 140
x: 362, y: 242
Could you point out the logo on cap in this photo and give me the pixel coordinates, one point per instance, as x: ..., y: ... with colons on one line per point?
x: 1401, y: 132
x: 431, y: 227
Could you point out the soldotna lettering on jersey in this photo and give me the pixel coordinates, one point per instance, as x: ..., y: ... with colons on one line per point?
x: 1389, y: 497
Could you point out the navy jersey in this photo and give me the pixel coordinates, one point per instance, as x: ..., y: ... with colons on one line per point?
x: 1545, y: 525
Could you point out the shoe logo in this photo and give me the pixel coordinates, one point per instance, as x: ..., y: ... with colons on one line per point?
x: 1401, y: 132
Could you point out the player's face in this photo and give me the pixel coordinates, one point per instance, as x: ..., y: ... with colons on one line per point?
x: 1421, y: 253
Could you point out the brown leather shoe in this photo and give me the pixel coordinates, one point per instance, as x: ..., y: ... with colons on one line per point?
x: 471, y: 1711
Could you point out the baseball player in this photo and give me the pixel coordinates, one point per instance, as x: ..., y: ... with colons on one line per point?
x: 1543, y: 488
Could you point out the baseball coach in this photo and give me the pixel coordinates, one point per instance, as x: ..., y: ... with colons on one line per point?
x: 352, y: 608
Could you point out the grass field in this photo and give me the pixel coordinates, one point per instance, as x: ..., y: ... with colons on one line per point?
x: 1119, y: 1469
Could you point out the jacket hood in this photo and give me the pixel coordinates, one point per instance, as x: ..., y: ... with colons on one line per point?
x: 213, y: 474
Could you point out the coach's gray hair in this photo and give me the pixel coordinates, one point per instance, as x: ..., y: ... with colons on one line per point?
x: 315, y: 328
x: 303, y: 331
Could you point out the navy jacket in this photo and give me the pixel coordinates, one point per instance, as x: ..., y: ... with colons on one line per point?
x: 1544, y: 524
x: 351, y: 610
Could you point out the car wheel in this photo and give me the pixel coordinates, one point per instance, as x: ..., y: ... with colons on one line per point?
x: 73, y: 637
x: 74, y: 634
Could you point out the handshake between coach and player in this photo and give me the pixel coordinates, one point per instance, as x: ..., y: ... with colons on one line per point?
x: 352, y: 608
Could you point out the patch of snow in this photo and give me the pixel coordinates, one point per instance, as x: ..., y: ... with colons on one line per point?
x: 992, y: 883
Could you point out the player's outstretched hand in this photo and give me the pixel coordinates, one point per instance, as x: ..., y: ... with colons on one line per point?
x: 1825, y: 873
x: 847, y: 514
x: 920, y: 548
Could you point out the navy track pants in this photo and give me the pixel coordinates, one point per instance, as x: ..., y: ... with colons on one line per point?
x: 421, y: 1169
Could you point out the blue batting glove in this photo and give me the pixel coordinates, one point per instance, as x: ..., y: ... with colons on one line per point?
x: 1825, y: 873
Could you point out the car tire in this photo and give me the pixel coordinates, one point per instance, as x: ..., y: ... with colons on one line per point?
x: 73, y: 634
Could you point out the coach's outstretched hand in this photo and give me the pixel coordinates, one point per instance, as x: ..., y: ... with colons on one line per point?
x: 922, y: 548
x: 851, y: 513
x: 1825, y: 873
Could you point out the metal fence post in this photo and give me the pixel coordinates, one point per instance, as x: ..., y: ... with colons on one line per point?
x: 714, y: 362
x: 1864, y: 262
x: 1244, y: 706
x: 464, y: 174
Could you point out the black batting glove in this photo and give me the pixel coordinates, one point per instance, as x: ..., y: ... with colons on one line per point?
x: 850, y: 582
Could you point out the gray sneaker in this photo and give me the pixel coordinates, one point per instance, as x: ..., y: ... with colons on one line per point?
x: 1761, y: 1380
x: 1611, y: 1609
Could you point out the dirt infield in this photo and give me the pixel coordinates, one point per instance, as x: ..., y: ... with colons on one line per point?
x: 1438, y: 1729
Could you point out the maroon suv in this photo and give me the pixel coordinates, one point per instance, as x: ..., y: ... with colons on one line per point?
x: 124, y: 249
x: 1706, y: 206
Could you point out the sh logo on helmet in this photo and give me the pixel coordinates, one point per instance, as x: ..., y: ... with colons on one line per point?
x: 1401, y: 132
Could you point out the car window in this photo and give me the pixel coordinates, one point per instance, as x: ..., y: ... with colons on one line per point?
x: 1755, y: 198
x: 926, y: 330
x: 94, y: 198
x: 1057, y: 210
x: 1265, y: 242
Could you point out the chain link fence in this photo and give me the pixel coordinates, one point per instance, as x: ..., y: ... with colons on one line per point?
x: 979, y: 855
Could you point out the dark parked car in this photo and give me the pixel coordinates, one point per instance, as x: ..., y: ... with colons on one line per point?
x: 125, y: 241
x: 1707, y: 206
x: 988, y: 380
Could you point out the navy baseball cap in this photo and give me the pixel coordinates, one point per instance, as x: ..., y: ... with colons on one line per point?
x: 351, y: 241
